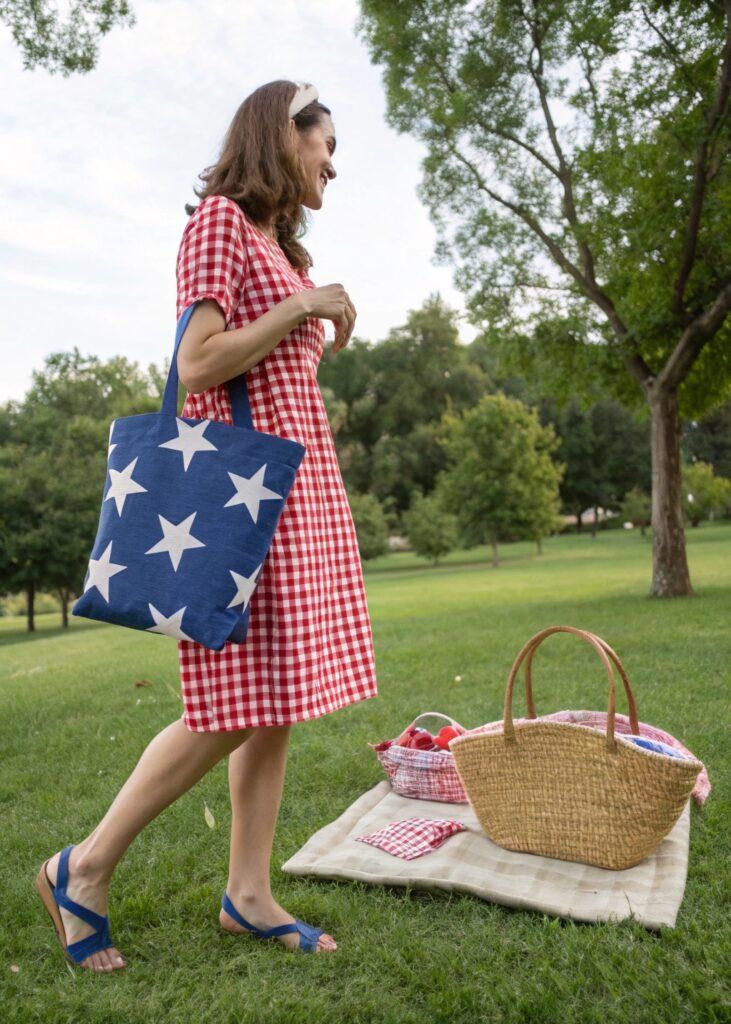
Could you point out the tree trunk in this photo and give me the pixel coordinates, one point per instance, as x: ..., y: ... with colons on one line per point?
x: 64, y: 596
x: 578, y: 521
x: 30, y: 594
x: 539, y: 545
x: 494, y: 554
x: 593, y: 524
x: 670, y: 576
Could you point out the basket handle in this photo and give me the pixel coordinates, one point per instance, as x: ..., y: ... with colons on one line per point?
x: 615, y: 658
x: 434, y: 714
x: 601, y: 647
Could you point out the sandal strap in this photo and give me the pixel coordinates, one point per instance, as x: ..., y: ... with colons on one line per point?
x: 59, y: 893
x: 93, y: 943
x: 309, y: 934
x: 100, y: 937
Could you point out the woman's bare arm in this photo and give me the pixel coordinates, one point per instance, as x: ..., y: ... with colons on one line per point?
x: 210, y: 355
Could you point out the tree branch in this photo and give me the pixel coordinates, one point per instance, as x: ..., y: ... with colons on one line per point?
x: 501, y: 133
x: 568, y: 205
x: 632, y: 359
x: 701, y: 177
x: 691, y: 343
x: 671, y: 48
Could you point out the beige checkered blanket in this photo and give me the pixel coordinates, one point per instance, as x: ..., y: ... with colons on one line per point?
x: 651, y: 892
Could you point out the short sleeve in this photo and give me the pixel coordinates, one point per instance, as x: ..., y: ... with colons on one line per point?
x: 212, y: 258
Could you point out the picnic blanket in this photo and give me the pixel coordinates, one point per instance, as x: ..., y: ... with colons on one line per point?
x: 650, y: 892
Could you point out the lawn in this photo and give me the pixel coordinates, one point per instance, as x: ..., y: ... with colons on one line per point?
x: 73, y: 723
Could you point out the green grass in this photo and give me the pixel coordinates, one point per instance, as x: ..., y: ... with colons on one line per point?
x: 71, y: 730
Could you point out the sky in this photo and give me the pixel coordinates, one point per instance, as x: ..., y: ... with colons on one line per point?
x: 96, y: 169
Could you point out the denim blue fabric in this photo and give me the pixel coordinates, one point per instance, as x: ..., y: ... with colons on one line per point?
x: 189, y: 510
x: 657, y: 745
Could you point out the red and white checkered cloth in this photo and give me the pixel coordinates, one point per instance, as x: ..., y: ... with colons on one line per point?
x: 412, y: 837
x: 309, y: 649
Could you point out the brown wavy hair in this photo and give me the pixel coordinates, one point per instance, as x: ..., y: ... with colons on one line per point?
x: 261, y: 170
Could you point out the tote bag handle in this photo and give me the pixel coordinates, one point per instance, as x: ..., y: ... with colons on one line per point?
x: 240, y: 410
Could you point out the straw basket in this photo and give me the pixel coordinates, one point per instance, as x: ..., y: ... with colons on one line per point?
x: 562, y: 790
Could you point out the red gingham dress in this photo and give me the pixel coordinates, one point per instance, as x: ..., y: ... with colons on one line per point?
x: 309, y: 647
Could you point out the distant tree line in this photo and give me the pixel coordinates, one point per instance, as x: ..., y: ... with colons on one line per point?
x: 435, y: 443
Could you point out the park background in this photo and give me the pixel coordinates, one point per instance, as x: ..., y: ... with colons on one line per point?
x: 501, y: 436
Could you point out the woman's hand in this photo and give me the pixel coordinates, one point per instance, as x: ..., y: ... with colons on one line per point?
x: 332, y: 302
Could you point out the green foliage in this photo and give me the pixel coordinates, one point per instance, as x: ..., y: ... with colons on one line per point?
x: 703, y: 492
x: 636, y: 508
x: 708, y: 439
x: 502, y: 483
x: 73, y: 45
x: 431, y: 531
x: 53, y: 465
x: 606, y: 452
x: 395, y: 393
x: 589, y: 245
x: 371, y: 525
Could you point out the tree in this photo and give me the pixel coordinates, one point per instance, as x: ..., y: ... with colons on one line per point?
x: 395, y: 393
x: 637, y: 509
x: 501, y: 483
x: 703, y: 493
x: 431, y: 531
x: 708, y: 439
x: 371, y: 525
x: 65, y: 47
x: 606, y: 454
x: 597, y: 247
x: 404, y: 462
x: 53, y: 452
x: 420, y: 370
x: 50, y: 508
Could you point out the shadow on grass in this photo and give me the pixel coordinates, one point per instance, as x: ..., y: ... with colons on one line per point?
x: 507, y: 554
x: 20, y: 634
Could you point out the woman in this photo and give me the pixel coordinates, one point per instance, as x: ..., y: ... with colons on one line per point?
x: 309, y: 647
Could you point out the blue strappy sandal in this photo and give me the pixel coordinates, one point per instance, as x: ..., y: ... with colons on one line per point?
x: 308, y: 933
x: 54, y: 896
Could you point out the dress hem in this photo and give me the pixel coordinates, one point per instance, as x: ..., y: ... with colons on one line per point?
x: 290, y: 721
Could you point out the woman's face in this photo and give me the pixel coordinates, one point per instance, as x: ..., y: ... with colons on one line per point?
x: 316, y: 148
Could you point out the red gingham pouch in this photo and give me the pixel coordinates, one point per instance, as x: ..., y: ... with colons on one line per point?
x: 412, y: 837
x: 422, y: 774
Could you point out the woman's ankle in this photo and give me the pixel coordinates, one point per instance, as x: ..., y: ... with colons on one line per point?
x: 90, y: 862
x: 246, y: 893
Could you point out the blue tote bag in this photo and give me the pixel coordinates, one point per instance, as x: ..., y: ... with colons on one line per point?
x: 189, y: 510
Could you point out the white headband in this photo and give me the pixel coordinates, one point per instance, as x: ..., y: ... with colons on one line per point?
x: 306, y: 93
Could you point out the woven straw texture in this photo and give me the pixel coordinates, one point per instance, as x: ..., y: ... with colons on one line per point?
x: 565, y: 791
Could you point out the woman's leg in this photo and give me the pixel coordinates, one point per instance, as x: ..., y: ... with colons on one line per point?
x: 256, y: 780
x: 172, y: 762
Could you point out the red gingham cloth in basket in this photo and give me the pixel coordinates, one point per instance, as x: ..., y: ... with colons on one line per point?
x: 422, y: 774
x: 412, y: 837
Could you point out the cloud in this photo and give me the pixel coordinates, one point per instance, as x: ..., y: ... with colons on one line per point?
x: 95, y: 170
